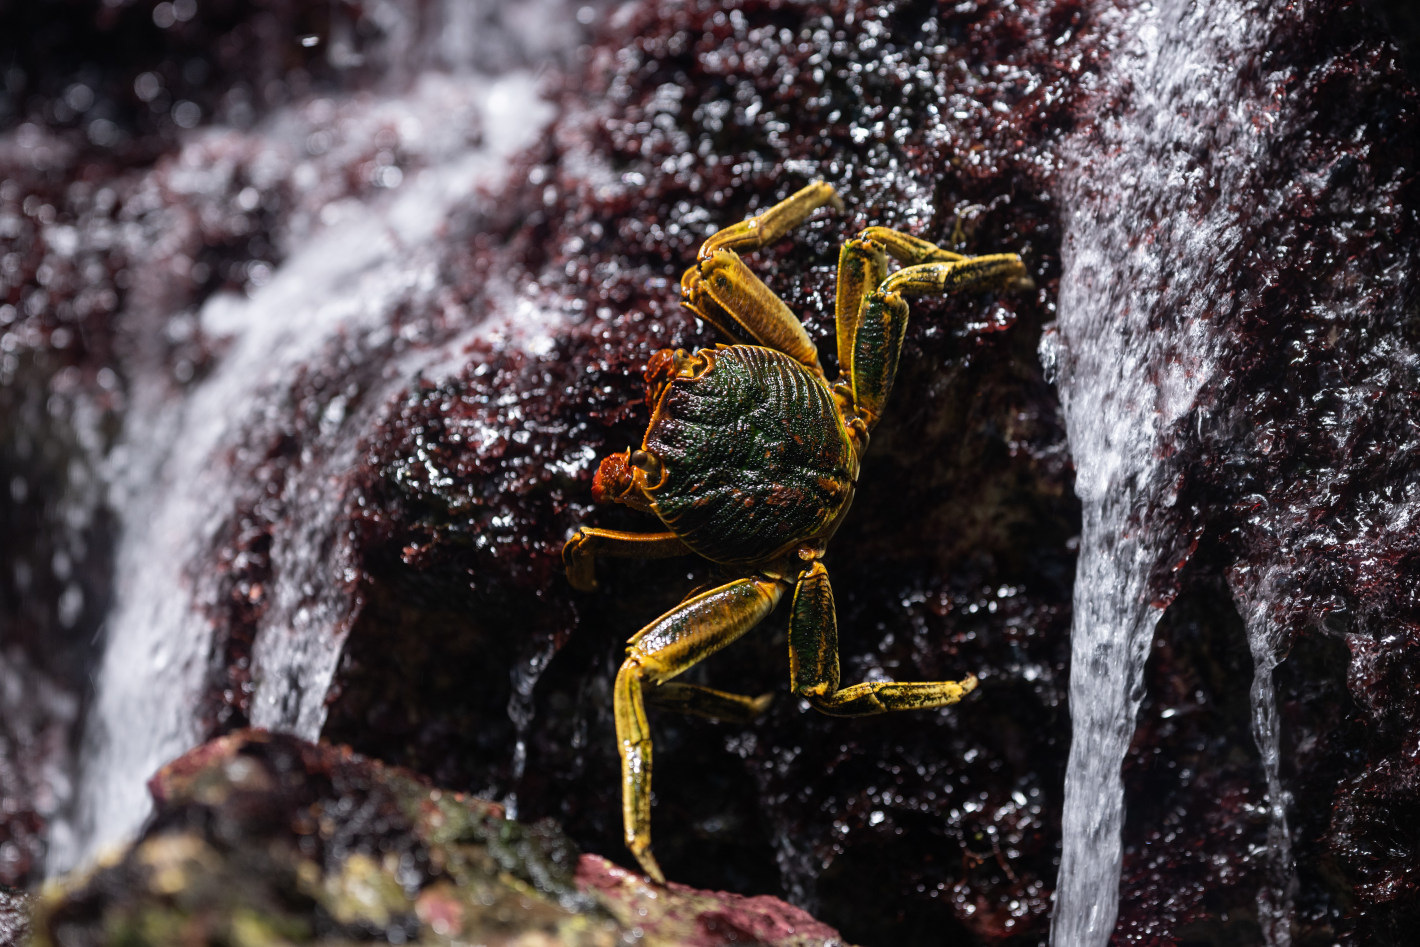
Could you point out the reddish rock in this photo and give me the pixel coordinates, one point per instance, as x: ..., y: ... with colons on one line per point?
x: 258, y: 837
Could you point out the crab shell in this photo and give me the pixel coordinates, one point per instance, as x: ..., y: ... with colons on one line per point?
x: 746, y: 458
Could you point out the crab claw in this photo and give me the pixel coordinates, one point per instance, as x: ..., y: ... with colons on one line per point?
x: 660, y: 370
x: 614, y: 479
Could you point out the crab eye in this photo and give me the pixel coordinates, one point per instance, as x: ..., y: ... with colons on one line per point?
x: 649, y: 464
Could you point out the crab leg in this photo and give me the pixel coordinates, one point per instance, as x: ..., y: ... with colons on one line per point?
x: 774, y: 223
x: 862, y: 266
x: 882, y: 324
x: 813, y: 662
x: 708, y: 702
x: 724, y: 292
x: 580, y: 552
x: 687, y: 634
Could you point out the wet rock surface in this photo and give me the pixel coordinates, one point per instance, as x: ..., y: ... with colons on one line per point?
x: 890, y: 828
x: 259, y: 838
x: 399, y: 494
x: 14, y: 916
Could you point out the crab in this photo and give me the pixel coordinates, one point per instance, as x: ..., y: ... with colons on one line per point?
x: 750, y: 460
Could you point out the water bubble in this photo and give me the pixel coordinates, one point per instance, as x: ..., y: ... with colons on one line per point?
x: 147, y: 86
x: 79, y: 97
x: 186, y: 114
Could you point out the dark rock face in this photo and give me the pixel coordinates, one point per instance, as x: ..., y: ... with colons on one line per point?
x: 425, y: 467
x: 893, y: 828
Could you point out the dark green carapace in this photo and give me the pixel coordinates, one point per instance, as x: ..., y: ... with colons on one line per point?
x: 757, y: 457
x: 750, y: 460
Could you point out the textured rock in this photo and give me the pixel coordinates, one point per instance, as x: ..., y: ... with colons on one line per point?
x: 14, y: 916
x: 423, y: 470
x: 259, y: 838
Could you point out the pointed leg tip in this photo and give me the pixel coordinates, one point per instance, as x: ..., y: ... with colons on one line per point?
x: 648, y: 865
x: 580, y: 573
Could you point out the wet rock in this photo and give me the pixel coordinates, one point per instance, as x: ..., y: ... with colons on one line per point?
x: 893, y: 828
x: 14, y: 916
x: 375, y: 524
x: 259, y: 838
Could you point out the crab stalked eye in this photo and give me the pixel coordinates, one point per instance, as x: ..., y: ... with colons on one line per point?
x: 667, y: 365
x: 649, y: 464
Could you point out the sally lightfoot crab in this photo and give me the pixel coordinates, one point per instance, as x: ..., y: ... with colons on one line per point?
x: 750, y: 460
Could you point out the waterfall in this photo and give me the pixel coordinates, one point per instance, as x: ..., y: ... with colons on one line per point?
x: 170, y: 478
x: 1153, y: 214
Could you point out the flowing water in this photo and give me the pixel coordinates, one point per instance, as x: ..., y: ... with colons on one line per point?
x: 1132, y: 353
x: 458, y: 90
x: 1274, y: 902
x: 169, y: 477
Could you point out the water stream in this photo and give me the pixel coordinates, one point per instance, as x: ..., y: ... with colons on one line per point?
x: 1132, y: 355
x: 1275, y: 910
x: 170, y: 478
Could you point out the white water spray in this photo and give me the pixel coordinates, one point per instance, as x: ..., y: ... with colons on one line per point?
x: 1133, y: 351
x: 171, y: 481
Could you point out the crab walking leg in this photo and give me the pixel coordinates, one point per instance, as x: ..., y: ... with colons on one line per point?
x: 579, y: 553
x: 862, y: 266
x: 813, y: 662
x: 688, y: 633
x: 877, y: 343
x: 707, y: 702
x: 723, y: 291
x: 774, y: 223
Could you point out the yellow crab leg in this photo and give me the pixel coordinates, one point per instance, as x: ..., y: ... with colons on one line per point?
x: 772, y: 224
x: 688, y: 633
x: 724, y: 292
x: 877, y: 342
x: 813, y: 662
x: 862, y: 266
x: 580, y: 552
x: 707, y: 702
